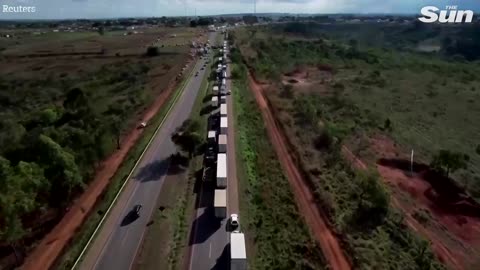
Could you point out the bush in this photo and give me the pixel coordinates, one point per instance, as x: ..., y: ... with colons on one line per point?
x: 152, y: 51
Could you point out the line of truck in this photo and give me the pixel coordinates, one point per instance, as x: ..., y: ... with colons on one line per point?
x: 216, y: 162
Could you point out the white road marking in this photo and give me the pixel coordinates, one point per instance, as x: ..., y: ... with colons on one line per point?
x: 210, y: 251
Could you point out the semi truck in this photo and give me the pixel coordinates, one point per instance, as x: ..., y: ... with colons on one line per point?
x: 221, y: 170
x: 215, y: 101
x: 222, y: 143
x: 223, y: 125
x: 220, y: 203
x: 223, y: 110
x: 238, y: 252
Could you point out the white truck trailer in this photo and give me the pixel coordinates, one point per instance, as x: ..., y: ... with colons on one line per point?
x: 215, y: 101
x: 238, y: 252
x: 212, y: 136
x: 223, y: 125
x: 220, y: 203
x: 223, y: 110
x: 215, y: 90
x: 222, y: 143
x: 221, y: 170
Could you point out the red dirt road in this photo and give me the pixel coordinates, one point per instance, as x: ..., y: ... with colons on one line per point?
x: 304, y: 198
x: 51, y: 246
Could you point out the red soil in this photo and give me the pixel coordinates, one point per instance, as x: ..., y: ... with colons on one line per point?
x: 315, y: 219
x: 456, y: 212
x: 52, y: 245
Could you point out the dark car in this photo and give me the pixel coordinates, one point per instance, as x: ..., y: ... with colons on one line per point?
x: 196, y: 74
x: 136, y: 209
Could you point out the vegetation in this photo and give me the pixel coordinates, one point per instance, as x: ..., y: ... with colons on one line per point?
x: 81, y: 238
x: 188, y: 137
x: 357, y: 202
x: 448, y: 162
x: 56, y: 127
x: 282, y: 240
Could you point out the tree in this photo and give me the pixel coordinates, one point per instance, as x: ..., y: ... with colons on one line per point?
x: 447, y: 162
x: 61, y: 169
x: 388, y: 125
x: 373, y: 198
x: 478, y: 149
x: 101, y: 30
x: 19, y: 187
x: 116, y: 128
x: 193, y: 23
x: 152, y: 51
x: 187, y: 136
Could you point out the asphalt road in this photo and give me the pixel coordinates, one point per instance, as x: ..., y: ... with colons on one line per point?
x: 116, y: 249
x: 210, y: 238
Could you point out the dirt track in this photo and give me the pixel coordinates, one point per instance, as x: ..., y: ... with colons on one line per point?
x: 304, y: 198
x: 51, y: 246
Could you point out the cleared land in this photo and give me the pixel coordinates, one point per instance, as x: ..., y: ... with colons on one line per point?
x: 326, y: 94
x: 80, y: 94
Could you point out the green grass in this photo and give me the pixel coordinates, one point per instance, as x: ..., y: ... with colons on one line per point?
x: 271, y: 219
x: 430, y: 101
x: 80, y: 240
x: 381, y: 241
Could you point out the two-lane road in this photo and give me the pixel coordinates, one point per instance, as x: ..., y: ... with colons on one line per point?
x: 117, y: 244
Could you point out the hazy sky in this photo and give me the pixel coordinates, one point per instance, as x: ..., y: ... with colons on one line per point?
x: 58, y: 9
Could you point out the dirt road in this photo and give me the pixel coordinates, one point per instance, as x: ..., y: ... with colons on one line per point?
x: 315, y: 219
x: 52, y: 245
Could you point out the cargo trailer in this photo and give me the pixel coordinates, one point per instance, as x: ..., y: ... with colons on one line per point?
x: 222, y: 143
x: 223, y: 99
x: 238, y: 252
x: 215, y: 90
x: 223, y: 125
x: 212, y: 136
x: 223, y: 110
x: 220, y: 203
x: 215, y: 101
x: 221, y: 170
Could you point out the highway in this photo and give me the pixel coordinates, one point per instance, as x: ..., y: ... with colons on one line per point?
x: 119, y: 240
x: 209, y: 239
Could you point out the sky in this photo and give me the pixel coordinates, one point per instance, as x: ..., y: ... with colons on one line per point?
x: 91, y: 9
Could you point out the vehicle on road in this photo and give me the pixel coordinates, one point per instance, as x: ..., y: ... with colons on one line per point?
x: 238, y: 252
x: 142, y: 125
x: 136, y: 209
x: 196, y: 74
x: 234, y: 223
x: 202, y: 68
x: 220, y: 203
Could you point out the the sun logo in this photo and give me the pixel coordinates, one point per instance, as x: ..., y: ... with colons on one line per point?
x: 450, y: 15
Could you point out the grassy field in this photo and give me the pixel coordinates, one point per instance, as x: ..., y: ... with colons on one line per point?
x: 165, y: 241
x: 414, y: 91
x: 319, y: 111
x: 277, y: 236
x: 79, y: 93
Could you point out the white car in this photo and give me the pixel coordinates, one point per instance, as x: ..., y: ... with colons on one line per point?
x: 142, y: 125
x: 234, y: 224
